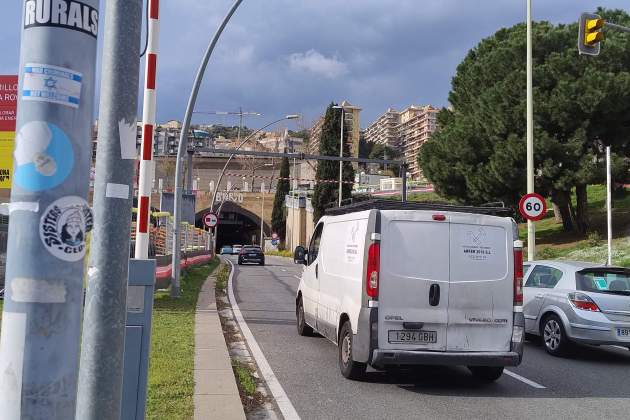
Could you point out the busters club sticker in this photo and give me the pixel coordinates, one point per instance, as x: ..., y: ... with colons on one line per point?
x: 64, y: 227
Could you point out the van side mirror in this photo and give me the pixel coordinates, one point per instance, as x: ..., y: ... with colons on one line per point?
x: 299, y: 255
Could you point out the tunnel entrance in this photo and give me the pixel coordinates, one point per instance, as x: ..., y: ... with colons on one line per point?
x: 236, y: 226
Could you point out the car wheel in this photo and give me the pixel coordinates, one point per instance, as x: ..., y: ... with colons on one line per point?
x: 240, y: 262
x: 486, y: 373
x: 553, y: 336
x: 303, y: 328
x: 262, y: 263
x: 349, y: 368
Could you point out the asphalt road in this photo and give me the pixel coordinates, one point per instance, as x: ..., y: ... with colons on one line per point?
x: 594, y: 382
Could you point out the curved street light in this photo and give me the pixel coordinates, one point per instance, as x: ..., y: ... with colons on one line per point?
x: 241, y: 144
x: 177, y: 205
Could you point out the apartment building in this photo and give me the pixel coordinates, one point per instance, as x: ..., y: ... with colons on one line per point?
x: 352, y: 135
x: 417, y: 123
x: 385, y: 129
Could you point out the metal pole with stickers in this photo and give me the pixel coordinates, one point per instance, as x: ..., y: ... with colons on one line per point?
x: 49, y: 216
x: 105, y: 313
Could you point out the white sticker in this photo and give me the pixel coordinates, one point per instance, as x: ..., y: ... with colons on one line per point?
x: 47, y: 83
x: 117, y: 191
x: 64, y: 226
x: 135, y: 299
x: 11, y: 362
x: 23, y: 206
x: 37, y: 291
x: 128, y: 134
x: 352, y: 243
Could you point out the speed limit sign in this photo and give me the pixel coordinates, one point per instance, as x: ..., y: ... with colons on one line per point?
x: 532, y: 206
x: 210, y: 220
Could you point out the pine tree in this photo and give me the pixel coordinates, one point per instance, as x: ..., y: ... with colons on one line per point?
x: 326, y: 193
x: 279, y: 214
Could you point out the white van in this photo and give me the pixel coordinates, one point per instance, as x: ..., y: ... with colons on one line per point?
x: 405, y: 284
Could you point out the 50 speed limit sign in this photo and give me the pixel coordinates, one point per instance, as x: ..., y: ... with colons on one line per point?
x: 532, y: 206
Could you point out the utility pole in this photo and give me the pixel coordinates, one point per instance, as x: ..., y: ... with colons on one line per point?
x: 609, y: 204
x: 531, y: 227
x: 341, y: 162
x: 50, y: 217
x: 101, y: 371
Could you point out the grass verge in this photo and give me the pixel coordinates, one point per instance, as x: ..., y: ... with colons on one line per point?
x: 171, y: 381
x: 222, y: 276
x: 245, y: 378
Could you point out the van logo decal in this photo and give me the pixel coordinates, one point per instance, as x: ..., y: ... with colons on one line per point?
x: 393, y: 318
x: 475, y: 248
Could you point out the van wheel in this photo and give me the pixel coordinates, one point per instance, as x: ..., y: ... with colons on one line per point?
x: 486, y: 373
x: 303, y: 328
x: 553, y: 336
x: 349, y: 368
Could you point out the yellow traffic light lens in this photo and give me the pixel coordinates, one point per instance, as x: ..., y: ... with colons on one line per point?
x: 592, y: 24
x: 593, y: 38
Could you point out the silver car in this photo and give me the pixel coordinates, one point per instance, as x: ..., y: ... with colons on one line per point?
x: 571, y: 301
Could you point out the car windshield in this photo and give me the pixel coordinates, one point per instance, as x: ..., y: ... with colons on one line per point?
x: 604, y: 280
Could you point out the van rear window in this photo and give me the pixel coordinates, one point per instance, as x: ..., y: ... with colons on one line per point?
x: 604, y: 280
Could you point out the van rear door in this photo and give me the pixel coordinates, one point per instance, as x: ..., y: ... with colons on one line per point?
x: 414, y: 265
x: 480, y: 307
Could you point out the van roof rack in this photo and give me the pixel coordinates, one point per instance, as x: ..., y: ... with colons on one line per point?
x: 416, y: 205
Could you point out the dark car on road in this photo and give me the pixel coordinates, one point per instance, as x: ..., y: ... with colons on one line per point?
x: 251, y: 254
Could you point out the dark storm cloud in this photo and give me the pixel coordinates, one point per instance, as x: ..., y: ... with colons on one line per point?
x: 285, y: 56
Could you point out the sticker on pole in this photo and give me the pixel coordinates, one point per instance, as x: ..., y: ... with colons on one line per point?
x: 210, y: 220
x: 44, y: 157
x: 532, y: 207
x: 47, y: 83
x: 64, y: 226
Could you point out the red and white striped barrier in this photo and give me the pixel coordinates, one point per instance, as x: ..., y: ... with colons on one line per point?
x: 325, y: 181
x: 165, y: 272
x: 147, y: 167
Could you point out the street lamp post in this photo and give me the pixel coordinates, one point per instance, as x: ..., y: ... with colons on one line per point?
x: 182, y: 148
x: 341, y: 153
x: 241, y: 144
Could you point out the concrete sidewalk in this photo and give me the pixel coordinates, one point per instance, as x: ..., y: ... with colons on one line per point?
x: 216, y: 394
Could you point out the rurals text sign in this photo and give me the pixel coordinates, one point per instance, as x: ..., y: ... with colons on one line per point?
x: 67, y: 14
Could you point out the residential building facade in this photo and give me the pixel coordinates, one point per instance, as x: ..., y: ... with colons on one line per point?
x: 405, y: 131
x: 352, y: 135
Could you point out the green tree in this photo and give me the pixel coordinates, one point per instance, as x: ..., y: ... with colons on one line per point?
x: 279, y: 214
x: 326, y: 193
x: 580, y: 104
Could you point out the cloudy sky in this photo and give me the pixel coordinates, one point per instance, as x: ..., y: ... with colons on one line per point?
x: 279, y: 57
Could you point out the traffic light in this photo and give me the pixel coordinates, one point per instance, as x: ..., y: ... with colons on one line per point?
x: 590, y: 34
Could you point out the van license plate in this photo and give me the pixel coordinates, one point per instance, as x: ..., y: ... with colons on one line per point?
x: 412, y: 337
x: 623, y: 332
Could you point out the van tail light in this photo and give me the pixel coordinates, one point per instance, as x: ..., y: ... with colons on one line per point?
x: 518, y: 273
x: 583, y: 301
x: 373, y: 270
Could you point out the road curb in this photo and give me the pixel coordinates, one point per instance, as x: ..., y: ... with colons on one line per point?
x: 216, y: 393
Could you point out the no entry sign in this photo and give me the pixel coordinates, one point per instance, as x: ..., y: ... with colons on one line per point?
x: 210, y: 220
x: 532, y: 206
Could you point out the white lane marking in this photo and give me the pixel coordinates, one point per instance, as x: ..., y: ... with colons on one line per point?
x: 283, y: 270
x: 524, y: 380
x: 297, y: 277
x: 284, y: 404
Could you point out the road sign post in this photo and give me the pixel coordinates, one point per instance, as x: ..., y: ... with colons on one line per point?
x: 50, y: 217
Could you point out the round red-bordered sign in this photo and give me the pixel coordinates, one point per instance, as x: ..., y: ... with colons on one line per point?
x: 210, y: 220
x: 532, y: 207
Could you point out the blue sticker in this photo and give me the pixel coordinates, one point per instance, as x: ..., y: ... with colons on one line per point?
x: 601, y: 283
x: 44, y: 157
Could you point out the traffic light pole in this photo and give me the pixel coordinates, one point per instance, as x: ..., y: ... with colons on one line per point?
x: 101, y: 369
x: 50, y: 217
